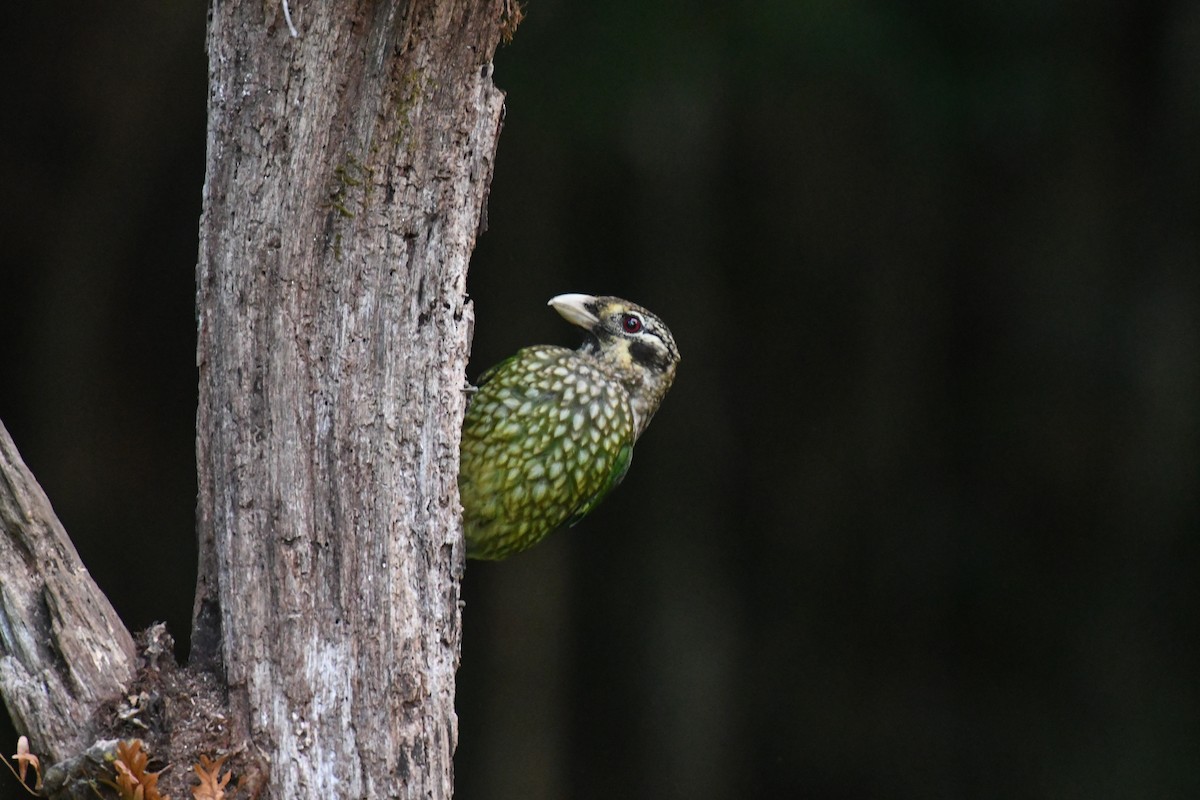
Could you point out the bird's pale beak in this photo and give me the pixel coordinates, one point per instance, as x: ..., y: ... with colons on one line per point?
x: 574, y: 309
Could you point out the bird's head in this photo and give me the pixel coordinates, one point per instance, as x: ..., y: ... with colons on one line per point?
x: 631, y: 343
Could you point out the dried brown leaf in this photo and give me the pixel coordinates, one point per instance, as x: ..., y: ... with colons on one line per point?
x: 211, y: 787
x: 133, y: 781
x: 511, y: 15
x: 25, y: 760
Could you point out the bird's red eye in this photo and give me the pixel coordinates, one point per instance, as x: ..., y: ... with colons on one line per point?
x: 632, y: 323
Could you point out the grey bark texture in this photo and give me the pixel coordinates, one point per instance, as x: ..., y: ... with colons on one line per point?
x: 347, y: 175
x: 63, y: 650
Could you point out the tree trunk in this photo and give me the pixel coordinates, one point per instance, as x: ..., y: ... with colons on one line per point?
x: 347, y: 173
x: 63, y: 650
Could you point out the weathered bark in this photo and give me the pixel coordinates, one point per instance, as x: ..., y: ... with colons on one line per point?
x: 63, y: 650
x: 347, y: 173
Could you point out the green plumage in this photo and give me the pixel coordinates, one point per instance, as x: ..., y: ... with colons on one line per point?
x: 545, y: 439
x: 550, y: 431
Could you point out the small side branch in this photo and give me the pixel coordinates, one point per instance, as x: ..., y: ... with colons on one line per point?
x: 63, y: 649
x: 287, y: 15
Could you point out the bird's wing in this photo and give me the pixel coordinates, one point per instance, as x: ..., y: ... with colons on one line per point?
x: 491, y: 371
x: 620, y: 466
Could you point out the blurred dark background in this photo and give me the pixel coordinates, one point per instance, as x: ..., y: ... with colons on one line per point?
x: 919, y: 518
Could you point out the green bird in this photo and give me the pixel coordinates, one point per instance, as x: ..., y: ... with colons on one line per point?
x: 550, y: 430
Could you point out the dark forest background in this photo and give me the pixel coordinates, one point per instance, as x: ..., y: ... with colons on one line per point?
x: 919, y: 518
